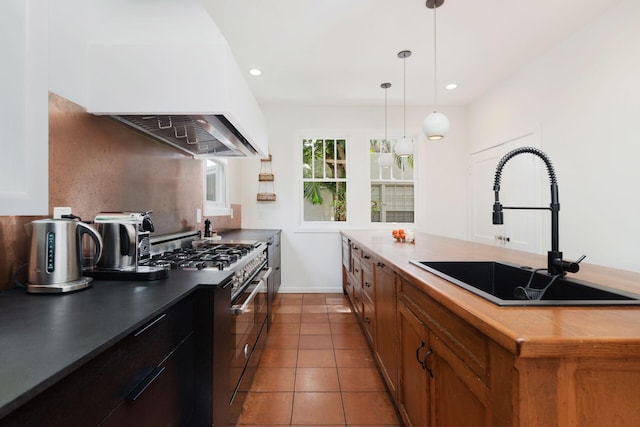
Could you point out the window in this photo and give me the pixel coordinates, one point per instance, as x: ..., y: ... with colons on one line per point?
x: 324, y: 175
x: 392, y: 187
x: 215, y: 188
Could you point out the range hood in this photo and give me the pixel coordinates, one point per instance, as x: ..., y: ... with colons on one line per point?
x: 201, y: 136
x: 161, y: 67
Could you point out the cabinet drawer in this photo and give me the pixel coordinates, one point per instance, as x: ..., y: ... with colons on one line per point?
x: 87, y: 395
x: 151, y: 343
x: 168, y: 396
x: 469, y: 344
x: 369, y: 320
x: 367, y: 281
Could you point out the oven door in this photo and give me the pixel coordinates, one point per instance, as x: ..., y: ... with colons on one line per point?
x: 249, y: 313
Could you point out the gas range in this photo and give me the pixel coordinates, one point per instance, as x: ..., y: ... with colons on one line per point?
x: 188, y: 251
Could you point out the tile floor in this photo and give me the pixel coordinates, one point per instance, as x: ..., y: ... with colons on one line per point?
x: 316, y: 370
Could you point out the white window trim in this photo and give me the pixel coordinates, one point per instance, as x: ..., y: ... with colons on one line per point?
x: 221, y: 206
x: 414, y: 181
x: 320, y: 226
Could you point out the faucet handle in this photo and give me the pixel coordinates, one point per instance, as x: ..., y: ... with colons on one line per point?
x: 572, y: 266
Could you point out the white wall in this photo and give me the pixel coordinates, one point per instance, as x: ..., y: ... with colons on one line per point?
x: 585, y: 93
x: 311, y: 257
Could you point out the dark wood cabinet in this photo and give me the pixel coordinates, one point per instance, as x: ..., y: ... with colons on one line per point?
x: 164, y: 396
x: 274, y: 250
x: 91, y: 393
x: 165, y: 373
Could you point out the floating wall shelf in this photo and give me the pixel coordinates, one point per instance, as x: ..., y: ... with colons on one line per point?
x: 265, y: 178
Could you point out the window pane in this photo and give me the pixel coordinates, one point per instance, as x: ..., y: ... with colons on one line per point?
x: 325, y: 201
x: 392, y: 189
x: 211, y: 187
x: 318, y: 159
x: 307, y: 147
x: 341, y: 156
x: 330, y: 158
x: 325, y: 169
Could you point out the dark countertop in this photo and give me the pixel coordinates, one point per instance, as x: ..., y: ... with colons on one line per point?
x: 45, y: 337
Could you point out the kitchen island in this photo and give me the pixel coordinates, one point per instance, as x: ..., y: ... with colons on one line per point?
x: 524, y: 366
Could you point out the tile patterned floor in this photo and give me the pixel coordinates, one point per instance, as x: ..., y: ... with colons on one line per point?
x: 316, y: 370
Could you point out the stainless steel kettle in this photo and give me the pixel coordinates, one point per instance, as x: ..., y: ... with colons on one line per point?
x: 55, y: 259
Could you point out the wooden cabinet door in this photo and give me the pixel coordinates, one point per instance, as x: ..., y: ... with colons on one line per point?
x: 458, y: 396
x: 356, y: 289
x: 387, y: 325
x: 413, y: 396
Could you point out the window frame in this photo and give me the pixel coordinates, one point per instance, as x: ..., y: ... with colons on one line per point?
x: 220, y: 206
x: 324, y: 225
x: 381, y: 182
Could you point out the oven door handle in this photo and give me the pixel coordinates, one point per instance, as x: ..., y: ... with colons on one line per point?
x: 267, y: 273
x: 240, y: 309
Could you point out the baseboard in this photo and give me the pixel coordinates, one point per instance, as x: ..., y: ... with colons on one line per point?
x: 307, y: 290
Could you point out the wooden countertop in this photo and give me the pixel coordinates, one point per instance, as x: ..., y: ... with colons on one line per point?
x: 596, y: 331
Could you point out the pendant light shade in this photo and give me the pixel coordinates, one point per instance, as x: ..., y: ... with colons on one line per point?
x: 436, y: 125
x: 385, y: 159
x: 404, y: 147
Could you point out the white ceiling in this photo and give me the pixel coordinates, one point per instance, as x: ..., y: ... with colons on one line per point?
x: 338, y: 52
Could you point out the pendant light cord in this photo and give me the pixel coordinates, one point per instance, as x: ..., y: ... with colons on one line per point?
x: 404, y: 97
x: 385, y: 118
x: 435, y: 61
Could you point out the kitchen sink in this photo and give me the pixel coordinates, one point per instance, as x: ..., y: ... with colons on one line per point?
x: 497, y: 282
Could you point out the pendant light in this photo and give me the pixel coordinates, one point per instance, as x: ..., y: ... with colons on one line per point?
x: 435, y: 125
x: 404, y: 147
x: 385, y: 160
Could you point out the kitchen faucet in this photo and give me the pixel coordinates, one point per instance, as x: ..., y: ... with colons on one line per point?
x: 555, y: 264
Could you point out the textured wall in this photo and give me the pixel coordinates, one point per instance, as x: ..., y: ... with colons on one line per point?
x: 99, y: 165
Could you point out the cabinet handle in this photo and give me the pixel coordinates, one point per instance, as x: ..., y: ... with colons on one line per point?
x: 420, y: 361
x: 380, y: 264
x: 246, y: 351
x: 367, y: 284
x: 357, y: 271
x: 426, y: 362
x: 145, y: 383
x: 356, y: 248
x: 367, y: 320
x: 366, y: 257
x: 141, y: 331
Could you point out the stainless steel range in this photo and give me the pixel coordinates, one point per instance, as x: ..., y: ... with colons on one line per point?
x: 188, y: 251
x: 248, y: 262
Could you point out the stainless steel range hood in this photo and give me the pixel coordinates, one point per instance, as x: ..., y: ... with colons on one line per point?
x: 160, y: 66
x: 198, y: 135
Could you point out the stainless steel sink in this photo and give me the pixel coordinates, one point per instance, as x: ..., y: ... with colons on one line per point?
x: 497, y: 282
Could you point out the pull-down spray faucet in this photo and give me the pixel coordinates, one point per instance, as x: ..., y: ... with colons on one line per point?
x: 555, y: 263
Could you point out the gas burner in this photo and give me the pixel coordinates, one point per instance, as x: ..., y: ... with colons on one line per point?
x: 215, y: 256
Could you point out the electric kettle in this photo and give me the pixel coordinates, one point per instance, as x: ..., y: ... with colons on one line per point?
x: 55, y: 258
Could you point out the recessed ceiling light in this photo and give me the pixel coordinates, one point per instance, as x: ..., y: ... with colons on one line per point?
x: 451, y: 86
x: 255, y: 72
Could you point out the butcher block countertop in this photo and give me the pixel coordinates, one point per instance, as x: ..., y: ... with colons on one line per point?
x: 528, y: 332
